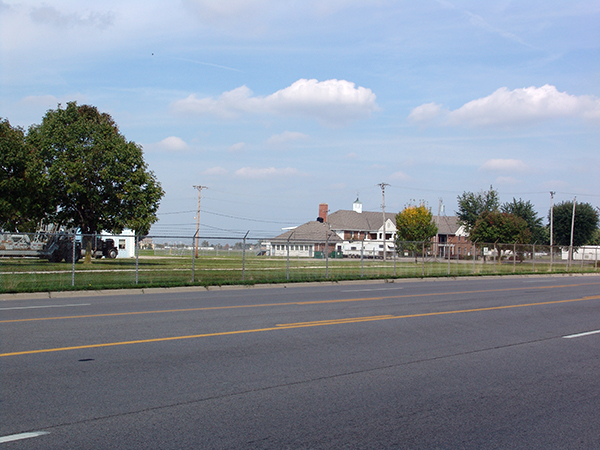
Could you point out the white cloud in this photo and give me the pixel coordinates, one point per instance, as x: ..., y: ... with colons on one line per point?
x: 516, y: 107
x: 237, y: 147
x: 425, y: 113
x: 172, y: 144
x: 286, y: 136
x: 333, y: 102
x: 505, y: 165
x: 266, y: 172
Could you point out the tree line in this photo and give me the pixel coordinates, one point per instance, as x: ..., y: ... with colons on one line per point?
x: 75, y: 170
x: 486, y: 220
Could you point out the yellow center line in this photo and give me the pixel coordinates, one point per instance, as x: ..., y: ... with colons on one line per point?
x: 290, y: 326
x: 311, y: 302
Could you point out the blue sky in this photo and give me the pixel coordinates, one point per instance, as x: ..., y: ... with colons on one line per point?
x: 279, y: 106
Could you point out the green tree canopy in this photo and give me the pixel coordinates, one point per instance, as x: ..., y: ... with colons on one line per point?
x: 586, y: 223
x: 22, y: 191
x: 97, y: 179
x: 495, y: 226
x: 414, y: 224
x: 471, y: 206
x: 526, y: 211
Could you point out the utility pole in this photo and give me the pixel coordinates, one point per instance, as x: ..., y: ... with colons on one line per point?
x: 551, y: 228
x: 198, y: 215
x: 383, y: 186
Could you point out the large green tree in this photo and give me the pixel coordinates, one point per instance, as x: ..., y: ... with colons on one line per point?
x: 23, y: 194
x: 471, y: 206
x: 586, y: 223
x: 414, y: 225
x: 504, y: 228
x: 98, y: 180
x: 526, y: 211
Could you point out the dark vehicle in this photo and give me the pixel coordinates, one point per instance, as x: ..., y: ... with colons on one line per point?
x: 54, y: 247
x: 104, y: 247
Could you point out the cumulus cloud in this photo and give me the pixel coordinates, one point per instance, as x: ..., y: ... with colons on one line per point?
x: 516, y: 107
x: 505, y: 165
x: 425, y: 113
x: 285, y: 137
x: 333, y: 102
x: 266, y: 172
x: 172, y: 144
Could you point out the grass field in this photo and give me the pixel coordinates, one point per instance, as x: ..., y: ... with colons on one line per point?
x: 34, y: 275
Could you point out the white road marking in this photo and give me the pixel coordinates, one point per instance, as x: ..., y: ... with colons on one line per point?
x: 44, y: 306
x: 18, y: 437
x: 587, y: 333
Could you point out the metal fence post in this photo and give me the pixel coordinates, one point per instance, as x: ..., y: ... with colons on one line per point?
x: 515, y: 257
x: 73, y: 265
x: 244, y: 257
x: 474, y: 251
x: 287, y: 277
x: 423, y: 259
x: 533, y: 258
x: 362, y: 259
x: 194, y: 258
x: 137, y: 259
x: 326, y: 255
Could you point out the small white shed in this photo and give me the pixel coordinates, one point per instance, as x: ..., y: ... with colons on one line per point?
x: 125, y: 242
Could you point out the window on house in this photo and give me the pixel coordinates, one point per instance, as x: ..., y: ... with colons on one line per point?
x: 121, y: 244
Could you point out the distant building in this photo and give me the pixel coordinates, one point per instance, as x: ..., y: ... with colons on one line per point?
x: 359, y: 232
x: 309, y: 240
x: 452, y: 239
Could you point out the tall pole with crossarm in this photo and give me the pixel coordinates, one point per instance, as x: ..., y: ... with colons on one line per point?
x: 198, y: 216
x: 383, y: 186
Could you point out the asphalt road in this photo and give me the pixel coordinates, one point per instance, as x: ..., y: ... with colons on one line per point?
x: 456, y: 364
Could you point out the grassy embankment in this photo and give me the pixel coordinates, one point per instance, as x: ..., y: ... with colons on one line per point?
x: 34, y: 275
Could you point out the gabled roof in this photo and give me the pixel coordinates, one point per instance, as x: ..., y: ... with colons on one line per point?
x: 346, y: 220
x: 446, y: 224
x: 315, y: 232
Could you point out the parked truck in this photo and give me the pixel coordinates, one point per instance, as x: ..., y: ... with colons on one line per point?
x: 104, y: 247
x: 55, y: 247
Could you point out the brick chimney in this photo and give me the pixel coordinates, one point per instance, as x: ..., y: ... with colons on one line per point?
x: 323, y: 211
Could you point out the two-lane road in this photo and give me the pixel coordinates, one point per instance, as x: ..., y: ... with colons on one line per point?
x: 473, y: 363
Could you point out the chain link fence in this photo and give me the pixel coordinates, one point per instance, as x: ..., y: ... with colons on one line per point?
x: 62, y: 261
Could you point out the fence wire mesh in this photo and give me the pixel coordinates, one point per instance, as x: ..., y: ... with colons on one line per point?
x: 55, y: 262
